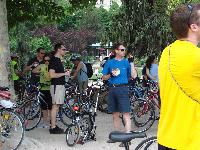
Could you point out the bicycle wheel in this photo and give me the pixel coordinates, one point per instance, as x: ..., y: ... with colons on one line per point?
x: 11, y: 129
x: 142, y: 114
x: 31, y: 108
x: 148, y: 144
x: 73, y: 134
x: 66, y: 114
x: 31, y: 113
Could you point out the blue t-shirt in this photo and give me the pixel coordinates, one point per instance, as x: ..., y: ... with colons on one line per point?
x: 154, y: 71
x: 124, y: 67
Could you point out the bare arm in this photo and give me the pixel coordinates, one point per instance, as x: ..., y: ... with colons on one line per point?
x: 106, y: 77
x: 148, y: 74
x: 36, y: 69
x: 133, y: 71
x: 77, y: 70
x: 26, y: 68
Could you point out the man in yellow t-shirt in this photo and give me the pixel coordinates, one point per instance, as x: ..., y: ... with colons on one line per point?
x: 179, y: 79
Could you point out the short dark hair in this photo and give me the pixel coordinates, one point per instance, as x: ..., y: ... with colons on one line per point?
x: 117, y: 44
x: 182, y: 17
x: 40, y: 48
x: 57, y: 46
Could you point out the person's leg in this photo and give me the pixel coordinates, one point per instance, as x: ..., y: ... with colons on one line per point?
x: 1, y: 145
x: 116, y: 120
x: 57, y: 100
x: 123, y: 102
x: 127, y: 120
x: 45, y: 116
x: 48, y: 104
x: 54, y: 111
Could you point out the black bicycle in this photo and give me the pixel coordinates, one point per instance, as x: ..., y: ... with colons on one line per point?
x: 125, y: 138
x: 147, y: 144
x: 83, y: 126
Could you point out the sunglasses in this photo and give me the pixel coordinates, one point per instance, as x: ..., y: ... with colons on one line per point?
x: 190, y: 8
x: 122, y: 50
x: 63, y: 49
x: 46, y: 60
x: 42, y: 53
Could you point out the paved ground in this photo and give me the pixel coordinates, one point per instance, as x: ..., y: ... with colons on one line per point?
x: 40, y: 139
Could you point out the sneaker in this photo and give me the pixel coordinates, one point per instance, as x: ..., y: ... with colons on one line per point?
x: 122, y: 144
x: 56, y: 130
x: 110, y: 141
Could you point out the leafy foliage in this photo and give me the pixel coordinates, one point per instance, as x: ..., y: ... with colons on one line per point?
x: 31, y: 10
x: 75, y: 41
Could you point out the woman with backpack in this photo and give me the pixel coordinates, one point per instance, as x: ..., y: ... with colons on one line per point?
x: 80, y: 74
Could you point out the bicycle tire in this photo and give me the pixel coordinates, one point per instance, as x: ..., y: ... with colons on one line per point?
x: 65, y: 114
x: 31, y: 123
x: 77, y: 132
x: 12, y: 123
x: 145, y: 144
x: 140, y: 109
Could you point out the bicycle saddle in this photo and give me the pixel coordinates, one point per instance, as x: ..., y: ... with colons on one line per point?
x: 118, y: 136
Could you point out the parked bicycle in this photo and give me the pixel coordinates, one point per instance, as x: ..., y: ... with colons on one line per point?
x: 125, y: 138
x: 148, y: 144
x: 83, y: 126
x: 11, y: 124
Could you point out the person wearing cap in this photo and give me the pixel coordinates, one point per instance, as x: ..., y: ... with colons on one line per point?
x: 15, y: 73
x: 80, y: 74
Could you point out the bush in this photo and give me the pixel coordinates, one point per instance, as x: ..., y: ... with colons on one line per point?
x: 37, y: 42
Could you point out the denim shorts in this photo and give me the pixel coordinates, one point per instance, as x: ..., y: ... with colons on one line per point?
x: 119, y: 100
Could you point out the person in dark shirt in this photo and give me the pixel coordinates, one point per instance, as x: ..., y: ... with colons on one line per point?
x: 34, y: 62
x: 57, y: 88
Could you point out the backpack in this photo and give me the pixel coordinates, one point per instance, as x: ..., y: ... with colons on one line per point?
x: 89, y: 70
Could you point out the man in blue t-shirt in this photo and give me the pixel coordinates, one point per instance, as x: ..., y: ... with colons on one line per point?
x: 118, y: 71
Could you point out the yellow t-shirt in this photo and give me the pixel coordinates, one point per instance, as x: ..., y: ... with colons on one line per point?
x: 179, y: 124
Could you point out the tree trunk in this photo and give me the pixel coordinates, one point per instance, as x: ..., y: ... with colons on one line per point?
x: 4, y: 47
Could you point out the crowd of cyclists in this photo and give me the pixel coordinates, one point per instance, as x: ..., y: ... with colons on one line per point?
x: 127, y: 99
x: 48, y: 73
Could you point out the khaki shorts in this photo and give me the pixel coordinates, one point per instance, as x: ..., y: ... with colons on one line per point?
x: 57, y: 94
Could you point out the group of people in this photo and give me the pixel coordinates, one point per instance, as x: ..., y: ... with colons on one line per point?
x: 48, y: 72
x: 179, y: 80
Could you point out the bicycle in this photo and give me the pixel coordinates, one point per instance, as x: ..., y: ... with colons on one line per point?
x: 83, y: 126
x: 148, y: 144
x: 125, y: 138
x: 11, y: 125
x: 144, y: 108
